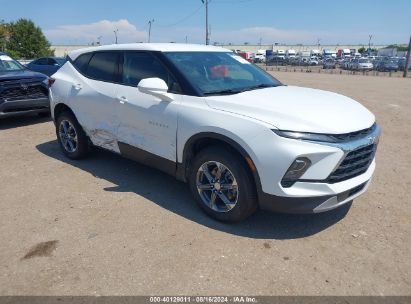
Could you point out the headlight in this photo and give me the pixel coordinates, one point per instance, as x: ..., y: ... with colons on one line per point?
x: 306, y: 136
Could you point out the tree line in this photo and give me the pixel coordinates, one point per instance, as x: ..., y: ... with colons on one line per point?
x: 22, y: 39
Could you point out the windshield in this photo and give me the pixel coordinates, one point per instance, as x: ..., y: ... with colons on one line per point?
x: 60, y: 61
x: 364, y: 61
x: 216, y: 73
x: 8, y: 64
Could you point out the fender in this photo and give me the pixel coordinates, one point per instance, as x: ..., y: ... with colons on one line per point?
x: 183, y: 168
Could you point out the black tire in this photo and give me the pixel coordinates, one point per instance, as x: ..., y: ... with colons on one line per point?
x: 82, y: 145
x: 246, y: 202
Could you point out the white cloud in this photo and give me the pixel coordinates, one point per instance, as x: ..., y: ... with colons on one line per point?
x: 128, y: 32
x: 85, y: 33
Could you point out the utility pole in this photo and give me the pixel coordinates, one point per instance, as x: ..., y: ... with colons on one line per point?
x: 149, y: 29
x: 99, y: 40
x: 207, y: 32
x: 115, y: 34
x: 407, y: 61
x: 369, y: 44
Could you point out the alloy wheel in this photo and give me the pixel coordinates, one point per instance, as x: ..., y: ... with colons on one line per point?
x: 68, y: 136
x: 217, y: 186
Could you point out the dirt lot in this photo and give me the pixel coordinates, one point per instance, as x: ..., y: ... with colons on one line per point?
x: 108, y: 226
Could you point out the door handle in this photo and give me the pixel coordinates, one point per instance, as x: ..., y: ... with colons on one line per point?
x: 77, y: 86
x: 123, y: 99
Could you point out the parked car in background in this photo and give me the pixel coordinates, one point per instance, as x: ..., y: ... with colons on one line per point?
x: 347, y: 63
x: 313, y: 60
x: 21, y: 91
x: 206, y: 116
x: 401, y: 64
x: 329, y: 63
x: 46, y: 65
x: 388, y: 65
x: 276, y: 60
x: 361, y: 64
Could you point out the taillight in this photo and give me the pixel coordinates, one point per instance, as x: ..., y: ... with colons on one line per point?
x: 51, y: 81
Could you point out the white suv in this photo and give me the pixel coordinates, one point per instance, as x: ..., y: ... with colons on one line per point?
x: 205, y: 115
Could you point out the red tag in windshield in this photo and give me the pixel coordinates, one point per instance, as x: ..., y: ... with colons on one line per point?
x: 219, y: 71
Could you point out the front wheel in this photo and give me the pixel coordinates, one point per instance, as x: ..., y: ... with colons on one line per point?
x: 222, y: 184
x: 71, y: 137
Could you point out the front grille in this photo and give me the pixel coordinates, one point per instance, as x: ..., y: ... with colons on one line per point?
x: 19, y: 93
x: 355, y: 163
x: 353, y: 135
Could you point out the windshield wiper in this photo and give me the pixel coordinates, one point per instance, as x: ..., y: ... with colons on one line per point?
x: 260, y: 86
x: 223, y: 92
x: 236, y: 91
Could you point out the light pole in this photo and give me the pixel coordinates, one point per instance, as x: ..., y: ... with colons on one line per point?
x: 407, y: 60
x: 149, y: 29
x: 369, y: 44
x: 99, y: 40
x: 115, y: 34
x: 207, y: 32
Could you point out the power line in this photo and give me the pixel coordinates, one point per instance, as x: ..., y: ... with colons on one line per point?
x: 183, y: 19
x: 232, y: 1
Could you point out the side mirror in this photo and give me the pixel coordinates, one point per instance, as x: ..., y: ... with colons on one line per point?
x: 156, y: 87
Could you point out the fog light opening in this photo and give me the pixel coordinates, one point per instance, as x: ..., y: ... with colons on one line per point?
x: 295, y: 171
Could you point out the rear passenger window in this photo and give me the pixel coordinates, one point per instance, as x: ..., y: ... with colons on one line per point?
x: 51, y: 61
x: 103, y: 66
x: 81, y: 62
x: 41, y: 61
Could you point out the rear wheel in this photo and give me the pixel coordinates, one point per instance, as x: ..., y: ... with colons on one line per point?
x: 222, y: 184
x: 71, y: 137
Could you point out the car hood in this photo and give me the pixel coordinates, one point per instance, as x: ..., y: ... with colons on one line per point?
x: 297, y: 109
x: 24, y: 74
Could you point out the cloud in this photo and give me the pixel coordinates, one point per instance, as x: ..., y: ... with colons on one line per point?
x: 128, y: 32
x: 85, y: 33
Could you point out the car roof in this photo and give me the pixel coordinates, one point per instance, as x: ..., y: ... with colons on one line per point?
x: 159, y: 47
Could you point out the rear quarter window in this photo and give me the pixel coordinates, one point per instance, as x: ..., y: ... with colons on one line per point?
x: 103, y: 66
x: 81, y: 62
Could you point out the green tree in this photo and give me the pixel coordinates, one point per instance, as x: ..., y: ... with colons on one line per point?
x: 26, y: 40
x: 398, y: 47
x: 3, y: 35
x: 361, y: 50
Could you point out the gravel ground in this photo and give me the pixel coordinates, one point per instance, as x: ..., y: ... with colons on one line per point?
x: 108, y: 226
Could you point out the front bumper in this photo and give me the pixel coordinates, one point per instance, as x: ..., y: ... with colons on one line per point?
x: 25, y: 106
x: 317, y: 204
x: 364, y: 68
x: 314, y: 191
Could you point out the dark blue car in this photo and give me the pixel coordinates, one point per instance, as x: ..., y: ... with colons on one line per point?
x: 21, y: 91
x: 46, y: 65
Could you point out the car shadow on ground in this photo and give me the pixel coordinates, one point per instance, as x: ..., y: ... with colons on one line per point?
x: 165, y: 191
x: 22, y: 120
